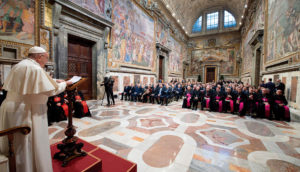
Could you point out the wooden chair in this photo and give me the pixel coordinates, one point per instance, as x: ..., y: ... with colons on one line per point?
x: 10, y: 134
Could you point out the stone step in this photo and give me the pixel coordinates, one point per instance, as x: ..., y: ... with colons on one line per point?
x: 295, y: 115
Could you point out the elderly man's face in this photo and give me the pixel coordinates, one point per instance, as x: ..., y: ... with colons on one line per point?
x: 42, y: 59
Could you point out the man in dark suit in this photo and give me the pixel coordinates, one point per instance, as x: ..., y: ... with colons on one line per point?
x: 263, y: 84
x: 280, y: 86
x: 125, y: 94
x: 109, y: 84
x: 271, y: 86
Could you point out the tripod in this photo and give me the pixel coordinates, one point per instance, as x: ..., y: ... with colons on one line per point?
x: 103, y: 98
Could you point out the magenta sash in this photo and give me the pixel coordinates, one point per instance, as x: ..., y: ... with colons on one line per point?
x: 188, y: 99
x: 220, y: 106
x: 286, y: 109
x: 286, y: 112
x: 220, y: 103
x: 241, y: 107
x: 207, y: 102
x: 231, y: 105
x: 267, y: 108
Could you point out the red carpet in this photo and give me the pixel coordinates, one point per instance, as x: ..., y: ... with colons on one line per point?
x: 96, y: 158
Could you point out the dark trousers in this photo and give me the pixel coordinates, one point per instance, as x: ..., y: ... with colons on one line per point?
x: 126, y: 95
x: 195, y: 104
x: 109, y: 93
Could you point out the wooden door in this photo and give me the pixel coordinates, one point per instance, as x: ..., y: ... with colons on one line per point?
x: 80, y: 63
x: 160, y: 72
x: 210, y: 74
x: 257, y: 67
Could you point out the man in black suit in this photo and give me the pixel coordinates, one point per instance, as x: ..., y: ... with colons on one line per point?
x: 263, y: 84
x: 126, y: 94
x: 271, y: 86
x: 280, y: 86
x: 109, y: 85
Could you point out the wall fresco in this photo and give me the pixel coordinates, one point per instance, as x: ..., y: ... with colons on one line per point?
x: 247, y: 51
x: 283, y: 28
x: 257, y: 24
x: 133, y: 40
x: 227, y: 57
x: 95, y: 6
x: 175, y: 57
x: 17, y: 21
x: 162, y: 34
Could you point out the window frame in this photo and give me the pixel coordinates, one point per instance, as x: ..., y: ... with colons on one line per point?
x: 229, y: 22
x: 196, y: 30
x: 213, y: 25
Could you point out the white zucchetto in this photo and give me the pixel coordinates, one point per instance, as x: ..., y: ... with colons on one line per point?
x: 36, y: 50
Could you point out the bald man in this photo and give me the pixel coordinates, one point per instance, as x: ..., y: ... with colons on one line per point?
x: 28, y: 88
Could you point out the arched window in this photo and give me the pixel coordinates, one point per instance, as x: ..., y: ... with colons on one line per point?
x: 198, y: 25
x: 229, y: 20
x: 212, y: 21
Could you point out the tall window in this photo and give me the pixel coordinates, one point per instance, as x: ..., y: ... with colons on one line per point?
x: 198, y: 25
x: 229, y: 20
x: 212, y: 20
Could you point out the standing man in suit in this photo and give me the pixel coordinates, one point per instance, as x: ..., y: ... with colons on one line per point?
x: 109, y: 85
x: 271, y: 86
x: 280, y: 86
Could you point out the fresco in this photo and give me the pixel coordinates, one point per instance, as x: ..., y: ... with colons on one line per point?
x: 247, y: 51
x: 95, y: 6
x: 226, y: 55
x: 184, y: 52
x: 258, y: 23
x: 17, y: 21
x: 283, y: 28
x: 175, y: 57
x: 260, y: 16
x: 162, y: 34
x: 132, y: 35
x: 227, y: 67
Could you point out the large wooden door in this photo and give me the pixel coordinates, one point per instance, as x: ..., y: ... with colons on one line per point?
x: 210, y: 74
x: 160, y: 70
x: 80, y: 63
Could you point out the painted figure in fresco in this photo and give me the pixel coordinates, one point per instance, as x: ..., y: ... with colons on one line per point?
x: 132, y: 41
x: 12, y: 17
x: 28, y: 21
x: 100, y: 5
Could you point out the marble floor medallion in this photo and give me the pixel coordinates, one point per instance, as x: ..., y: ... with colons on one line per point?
x: 171, y: 139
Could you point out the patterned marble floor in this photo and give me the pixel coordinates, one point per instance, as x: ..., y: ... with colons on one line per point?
x: 169, y: 138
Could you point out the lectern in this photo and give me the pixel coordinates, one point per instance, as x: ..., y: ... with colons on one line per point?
x: 69, y: 149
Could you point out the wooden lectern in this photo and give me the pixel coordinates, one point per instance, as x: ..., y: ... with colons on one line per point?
x: 69, y: 149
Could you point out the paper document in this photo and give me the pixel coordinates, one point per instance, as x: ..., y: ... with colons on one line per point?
x: 75, y: 79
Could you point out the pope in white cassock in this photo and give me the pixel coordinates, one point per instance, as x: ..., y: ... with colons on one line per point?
x: 29, y: 87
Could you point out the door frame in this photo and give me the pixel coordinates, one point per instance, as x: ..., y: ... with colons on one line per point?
x: 205, y: 72
x: 162, y: 51
x: 69, y: 19
x: 162, y: 67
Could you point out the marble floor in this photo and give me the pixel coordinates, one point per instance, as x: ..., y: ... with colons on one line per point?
x: 169, y: 138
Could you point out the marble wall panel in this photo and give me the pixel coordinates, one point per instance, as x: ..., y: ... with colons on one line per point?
x: 294, y: 84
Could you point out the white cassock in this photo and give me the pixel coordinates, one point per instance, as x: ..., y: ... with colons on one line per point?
x: 29, y: 87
